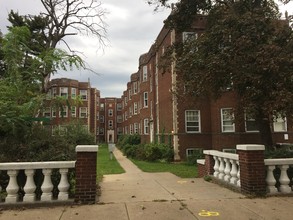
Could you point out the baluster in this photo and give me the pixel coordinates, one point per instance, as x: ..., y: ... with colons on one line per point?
x: 271, y: 181
x: 221, y: 169
x: 12, y: 188
x: 29, y: 187
x: 63, y: 185
x: 233, y: 173
x: 238, y: 175
x: 47, y: 185
x: 227, y: 170
x: 284, y: 179
x: 216, y: 166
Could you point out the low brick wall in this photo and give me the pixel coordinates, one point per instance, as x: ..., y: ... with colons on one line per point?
x: 201, y: 169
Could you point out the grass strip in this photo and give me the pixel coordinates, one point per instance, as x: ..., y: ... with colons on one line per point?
x: 182, y: 170
x: 105, y: 165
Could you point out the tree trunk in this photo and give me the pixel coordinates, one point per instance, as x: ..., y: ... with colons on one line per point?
x: 264, y: 126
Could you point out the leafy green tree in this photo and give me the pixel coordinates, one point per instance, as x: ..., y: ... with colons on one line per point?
x: 61, y: 18
x: 248, y: 49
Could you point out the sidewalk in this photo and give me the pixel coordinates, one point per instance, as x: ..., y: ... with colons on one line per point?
x: 136, y: 195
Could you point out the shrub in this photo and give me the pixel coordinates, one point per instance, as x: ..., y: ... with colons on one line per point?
x: 192, y: 159
x: 128, y: 139
x: 155, y: 152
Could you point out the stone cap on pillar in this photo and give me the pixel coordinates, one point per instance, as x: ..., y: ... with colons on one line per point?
x: 250, y: 147
x: 87, y: 148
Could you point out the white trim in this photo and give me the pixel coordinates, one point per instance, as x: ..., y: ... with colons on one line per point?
x: 86, y: 148
x: 250, y: 147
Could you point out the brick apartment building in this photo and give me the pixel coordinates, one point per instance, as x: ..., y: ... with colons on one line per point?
x: 155, y: 107
x: 82, y: 103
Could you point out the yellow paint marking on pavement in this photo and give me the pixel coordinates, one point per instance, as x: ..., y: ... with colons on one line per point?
x: 181, y: 181
x: 205, y: 213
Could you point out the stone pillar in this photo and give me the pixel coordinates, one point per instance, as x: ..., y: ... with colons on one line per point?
x: 86, y: 174
x: 201, y: 169
x: 252, y: 169
x: 209, y: 164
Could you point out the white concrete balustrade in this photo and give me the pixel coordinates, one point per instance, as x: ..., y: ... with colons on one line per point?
x: 281, y: 185
x: 30, y: 185
x: 226, y: 167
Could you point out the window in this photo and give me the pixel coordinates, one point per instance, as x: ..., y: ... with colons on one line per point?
x: 63, y: 112
x: 83, y: 94
x: 130, y: 111
x: 119, y: 130
x: 102, y: 107
x: 145, y: 99
x: 110, y: 112
x: 135, y: 128
x: 101, y: 131
x: 98, y: 116
x: 119, y: 106
x: 73, y: 93
x: 194, y: 151
x: 280, y: 124
x: 119, y: 118
x: 135, y: 108
x: 53, y: 112
x: 129, y: 94
x: 134, y: 87
x: 54, y: 92
x: 126, y: 130
x: 125, y: 116
x: 186, y: 36
x: 144, y: 73
x: 64, y: 92
x: 102, y: 119
x: 110, y: 124
x: 227, y: 119
x: 73, y: 111
x: 250, y: 124
x: 146, y: 126
x: 192, y: 121
x: 47, y: 112
x: 83, y: 112
x: 131, y: 129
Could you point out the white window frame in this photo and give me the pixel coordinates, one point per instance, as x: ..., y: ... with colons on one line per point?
x: 131, y: 129
x: 101, y: 131
x: 192, y: 150
x: 73, y: 111
x: 189, y: 121
x: 102, y: 118
x: 225, y: 122
x: 54, y: 112
x: 135, y: 128
x: 82, y: 111
x: 119, y: 106
x: 64, y: 92
x: 247, y: 120
x: 134, y: 87
x: 119, y: 119
x: 73, y: 93
x: 145, y: 99
x: 188, y: 36
x: 54, y: 91
x: 135, y: 108
x: 279, y: 122
x: 83, y: 94
x: 110, y: 112
x: 144, y: 73
x: 110, y: 124
x: 146, y: 126
x: 47, y: 112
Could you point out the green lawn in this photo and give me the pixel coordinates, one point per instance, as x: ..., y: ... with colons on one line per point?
x: 182, y: 170
x: 105, y: 165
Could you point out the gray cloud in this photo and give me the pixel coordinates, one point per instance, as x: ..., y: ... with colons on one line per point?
x: 132, y: 28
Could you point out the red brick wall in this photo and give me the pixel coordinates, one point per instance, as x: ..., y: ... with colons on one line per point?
x: 252, y: 172
x: 86, y: 176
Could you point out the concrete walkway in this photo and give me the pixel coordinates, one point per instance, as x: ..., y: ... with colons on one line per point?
x: 136, y: 195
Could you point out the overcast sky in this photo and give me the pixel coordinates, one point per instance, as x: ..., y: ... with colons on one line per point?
x: 132, y: 29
